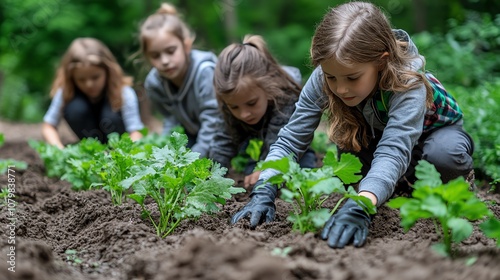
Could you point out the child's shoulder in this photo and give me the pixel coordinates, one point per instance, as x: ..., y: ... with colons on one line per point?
x: 199, y: 56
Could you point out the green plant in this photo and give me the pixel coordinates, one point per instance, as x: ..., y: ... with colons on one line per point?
x: 182, y: 185
x: 6, y: 164
x: 4, y: 194
x: 72, y: 257
x: 480, y: 106
x: 116, y: 165
x: 451, y: 206
x: 307, y: 189
x: 281, y: 252
x: 252, y: 151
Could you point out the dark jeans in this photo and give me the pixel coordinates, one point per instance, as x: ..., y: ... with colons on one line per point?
x: 191, y: 140
x: 92, y: 120
x: 448, y: 148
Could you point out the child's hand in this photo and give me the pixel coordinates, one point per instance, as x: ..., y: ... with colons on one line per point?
x: 251, y: 179
x: 351, y: 222
x: 261, y: 207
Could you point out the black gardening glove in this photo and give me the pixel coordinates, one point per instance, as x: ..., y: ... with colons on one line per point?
x: 261, y: 207
x: 349, y: 223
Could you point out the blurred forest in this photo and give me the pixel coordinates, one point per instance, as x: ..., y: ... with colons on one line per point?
x: 35, y: 34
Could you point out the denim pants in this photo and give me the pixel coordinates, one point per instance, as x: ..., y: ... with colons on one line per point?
x: 92, y: 120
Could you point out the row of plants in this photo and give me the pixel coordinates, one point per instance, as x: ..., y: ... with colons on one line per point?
x: 183, y: 186
x: 161, y: 168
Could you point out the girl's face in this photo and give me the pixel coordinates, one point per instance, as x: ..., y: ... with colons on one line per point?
x: 168, y: 54
x: 249, y: 105
x: 90, y: 79
x: 352, y: 84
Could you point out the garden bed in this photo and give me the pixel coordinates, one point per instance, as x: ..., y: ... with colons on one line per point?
x: 114, y: 242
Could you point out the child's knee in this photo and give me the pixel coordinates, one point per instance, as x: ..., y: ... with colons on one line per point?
x: 450, y: 162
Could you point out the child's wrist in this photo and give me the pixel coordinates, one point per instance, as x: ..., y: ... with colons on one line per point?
x: 369, y: 195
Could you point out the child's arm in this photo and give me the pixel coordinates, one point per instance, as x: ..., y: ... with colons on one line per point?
x: 209, y: 116
x: 51, y: 120
x: 294, y: 138
x: 130, y: 113
x: 222, y: 147
x: 50, y: 134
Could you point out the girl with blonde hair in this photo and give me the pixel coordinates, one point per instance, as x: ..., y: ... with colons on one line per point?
x: 382, y: 106
x: 91, y: 92
x: 180, y: 85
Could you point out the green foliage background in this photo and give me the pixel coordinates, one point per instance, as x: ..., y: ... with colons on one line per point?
x: 460, y: 39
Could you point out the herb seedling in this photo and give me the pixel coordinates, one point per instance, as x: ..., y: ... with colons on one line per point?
x: 182, y: 185
x: 451, y: 206
x: 281, y: 252
x: 307, y: 189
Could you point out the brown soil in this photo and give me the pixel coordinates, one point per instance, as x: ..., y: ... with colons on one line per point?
x: 113, y: 242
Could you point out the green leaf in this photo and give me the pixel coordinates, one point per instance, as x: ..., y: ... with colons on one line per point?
x: 282, y: 165
x: 397, y: 202
x: 346, y: 169
x: 137, y: 198
x: 460, y: 229
x: 365, y: 203
x: 327, y: 186
x: 435, y: 205
x: 474, y: 209
x: 427, y: 175
x: 491, y: 228
x: 319, y: 217
x: 441, y: 249
x: 457, y: 190
x: 288, y: 195
x: 254, y: 148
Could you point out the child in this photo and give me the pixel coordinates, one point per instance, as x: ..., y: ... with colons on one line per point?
x: 180, y: 85
x: 382, y: 107
x: 257, y: 97
x: 92, y: 94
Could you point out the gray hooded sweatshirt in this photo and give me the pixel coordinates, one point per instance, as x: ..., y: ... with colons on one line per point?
x: 400, y: 134
x: 193, y: 105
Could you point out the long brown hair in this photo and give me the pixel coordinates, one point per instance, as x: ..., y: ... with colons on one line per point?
x: 90, y: 51
x: 243, y: 65
x: 359, y: 32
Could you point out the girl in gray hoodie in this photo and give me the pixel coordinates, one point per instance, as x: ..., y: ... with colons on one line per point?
x: 180, y: 85
x: 381, y: 106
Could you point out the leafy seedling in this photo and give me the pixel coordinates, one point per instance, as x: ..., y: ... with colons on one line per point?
x: 307, y: 189
x: 281, y: 252
x: 183, y: 185
x: 451, y: 206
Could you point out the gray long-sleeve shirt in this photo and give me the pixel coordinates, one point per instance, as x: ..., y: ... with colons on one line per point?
x: 393, y: 153
x: 193, y: 105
